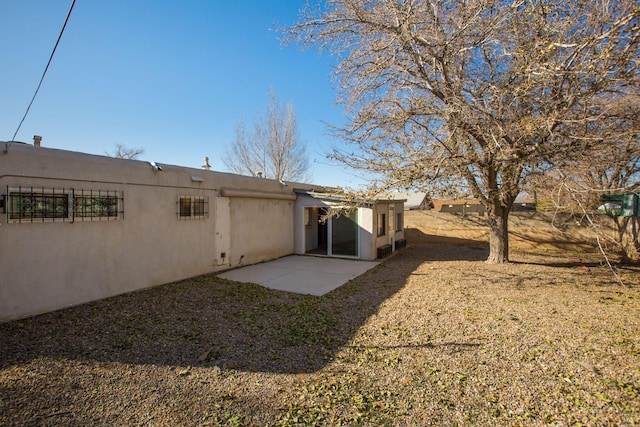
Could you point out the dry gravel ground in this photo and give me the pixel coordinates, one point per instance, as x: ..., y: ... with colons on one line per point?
x: 433, y: 336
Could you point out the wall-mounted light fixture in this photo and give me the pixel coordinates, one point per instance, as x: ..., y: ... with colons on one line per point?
x: 156, y: 167
x: 196, y: 178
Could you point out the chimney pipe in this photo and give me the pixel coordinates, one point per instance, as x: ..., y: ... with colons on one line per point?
x: 206, y: 165
x: 37, y: 139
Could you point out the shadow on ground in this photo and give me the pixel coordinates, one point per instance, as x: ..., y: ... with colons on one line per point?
x: 441, y: 248
x: 208, y: 321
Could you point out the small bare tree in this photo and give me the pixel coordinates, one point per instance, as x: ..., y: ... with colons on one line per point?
x: 577, y: 184
x: 476, y: 92
x: 122, y: 152
x: 273, y: 148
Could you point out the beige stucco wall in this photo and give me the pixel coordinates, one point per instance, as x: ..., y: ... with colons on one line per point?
x: 398, y: 230
x: 311, y: 229
x: 261, y: 228
x: 51, y: 265
x: 367, y: 234
x: 391, y: 209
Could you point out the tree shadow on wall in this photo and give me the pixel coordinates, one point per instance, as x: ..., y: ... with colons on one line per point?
x: 208, y: 321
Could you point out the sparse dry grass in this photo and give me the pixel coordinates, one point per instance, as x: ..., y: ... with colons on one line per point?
x: 433, y: 336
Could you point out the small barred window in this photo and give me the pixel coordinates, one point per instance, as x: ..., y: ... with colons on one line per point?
x: 193, y: 207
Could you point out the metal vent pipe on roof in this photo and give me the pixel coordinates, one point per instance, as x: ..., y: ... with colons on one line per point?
x: 37, y: 139
x: 206, y: 165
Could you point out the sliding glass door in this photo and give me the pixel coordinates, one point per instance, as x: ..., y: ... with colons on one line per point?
x: 333, y: 235
x: 344, y: 233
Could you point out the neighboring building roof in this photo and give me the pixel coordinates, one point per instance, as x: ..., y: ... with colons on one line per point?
x: 413, y: 200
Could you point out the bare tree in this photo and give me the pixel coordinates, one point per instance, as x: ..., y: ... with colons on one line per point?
x: 611, y: 167
x: 122, y: 152
x: 475, y: 92
x: 273, y: 148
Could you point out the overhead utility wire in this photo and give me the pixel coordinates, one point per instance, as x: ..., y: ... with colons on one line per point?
x: 43, y: 74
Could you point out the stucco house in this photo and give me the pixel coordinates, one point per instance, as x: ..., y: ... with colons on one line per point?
x: 76, y: 227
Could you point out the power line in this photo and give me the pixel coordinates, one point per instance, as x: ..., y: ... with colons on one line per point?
x: 44, y: 73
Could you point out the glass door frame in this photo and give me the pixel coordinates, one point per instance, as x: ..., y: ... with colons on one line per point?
x: 330, y: 233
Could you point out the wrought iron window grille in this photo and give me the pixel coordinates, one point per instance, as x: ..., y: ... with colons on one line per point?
x: 42, y: 204
x: 192, y: 207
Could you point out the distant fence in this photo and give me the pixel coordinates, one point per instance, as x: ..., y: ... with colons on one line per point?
x: 462, y: 208
x: 523, y: 207
x: 473, y: 207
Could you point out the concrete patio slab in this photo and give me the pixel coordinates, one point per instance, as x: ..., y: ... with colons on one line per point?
x: 301, y: 274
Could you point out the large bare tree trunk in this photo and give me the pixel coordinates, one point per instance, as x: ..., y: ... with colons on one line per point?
x: 500, y: 200
x: 498, y: 236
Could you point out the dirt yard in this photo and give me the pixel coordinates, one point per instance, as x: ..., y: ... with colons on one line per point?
x: 546, y: 231
x: 432, y: 336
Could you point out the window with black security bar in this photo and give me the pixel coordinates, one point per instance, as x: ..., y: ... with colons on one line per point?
x: 193, y: 207
x: 30, y: 204
x: 97, y: 205
x: 41, y: 204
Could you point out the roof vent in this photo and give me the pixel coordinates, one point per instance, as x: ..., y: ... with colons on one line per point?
x: 206, y: 165
x: 37, y: 139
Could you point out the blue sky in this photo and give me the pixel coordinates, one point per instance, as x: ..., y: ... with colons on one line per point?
x: 171, y: 77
